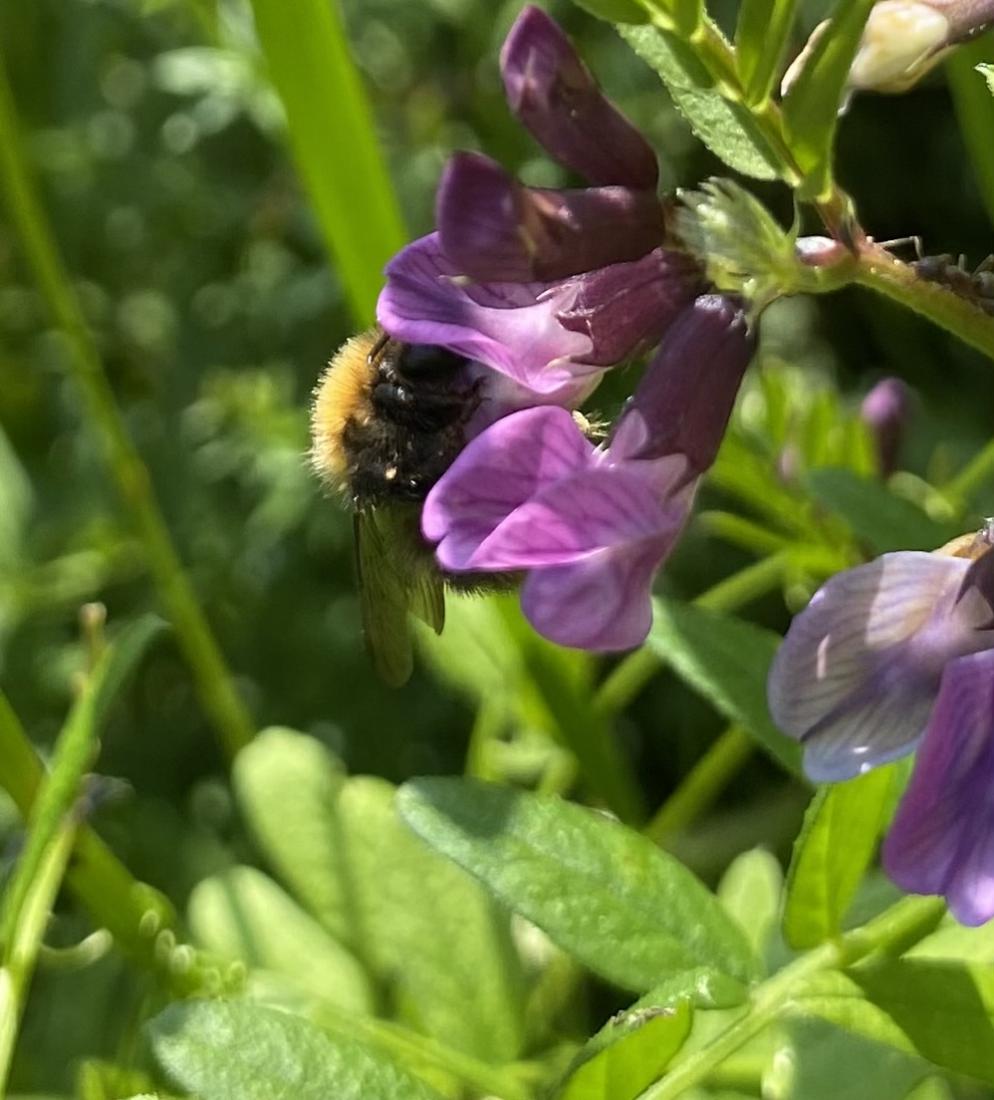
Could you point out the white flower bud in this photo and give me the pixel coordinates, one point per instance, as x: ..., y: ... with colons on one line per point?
x: 902, y: 40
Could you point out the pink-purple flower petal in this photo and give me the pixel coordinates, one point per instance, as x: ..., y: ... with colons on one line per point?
x: 553, y: 94
x: 497, y: 472
x: 942, y: 839
x: 495, y: 229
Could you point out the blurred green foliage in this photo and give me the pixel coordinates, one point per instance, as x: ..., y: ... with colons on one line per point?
x: 160, y: 149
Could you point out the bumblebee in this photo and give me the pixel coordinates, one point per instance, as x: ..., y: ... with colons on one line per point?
x: 388, y: 419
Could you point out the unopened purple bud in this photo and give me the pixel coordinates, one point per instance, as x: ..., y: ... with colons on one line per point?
x: 885, y: 411
x: 626, y: 308
x: 555, y: 97
x: 496, y: 230
x: 685, y: 398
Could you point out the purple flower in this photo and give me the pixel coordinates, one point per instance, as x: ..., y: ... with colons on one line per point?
x: 885, y: 411
x: 591, y: 525
x: 548, y: 288
x: 890, y: 655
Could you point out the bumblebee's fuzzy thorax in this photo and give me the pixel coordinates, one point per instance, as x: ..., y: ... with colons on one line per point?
x: 389, y: 418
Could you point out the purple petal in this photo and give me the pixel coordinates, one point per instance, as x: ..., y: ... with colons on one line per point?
x: 596, y: 509
x: 627, y: 307
x: 602, y: 602
x: 511, y: 327
x: 495, y: 473
x: 685, y: 398
x: 942, y: 839
x: 495, y: 229
x: 555, y: 97
x: 857, y: 673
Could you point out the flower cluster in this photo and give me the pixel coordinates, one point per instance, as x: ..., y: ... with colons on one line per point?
x: 892, y: 656
x: 543, y: 290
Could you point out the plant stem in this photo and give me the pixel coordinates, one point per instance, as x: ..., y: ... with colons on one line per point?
x: 884, y: 273
x: 214, y: 683
x: 631, y: 675
x: 976, y: 473
x: 701, y: 785
x: 905, y: 923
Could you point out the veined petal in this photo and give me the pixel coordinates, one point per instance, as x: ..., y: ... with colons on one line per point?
x: 942, y: 839
x: 494, y: 474
x: 851, y: 679
x: 553, y: 94
x: 495, y: 229
x: 511, y: 327
x: 602, y: 602
x: 627, y: 307
x: 595, y: 509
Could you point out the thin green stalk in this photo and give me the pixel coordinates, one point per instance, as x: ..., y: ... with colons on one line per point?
x: 632, y: 674
x: 491, y: 717
x: 882, y: 272
x: 903, y: 924
x: 977, y: 473
x: 214, y: 683
x: 701, y: 785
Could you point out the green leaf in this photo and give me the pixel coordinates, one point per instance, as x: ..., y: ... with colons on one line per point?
x: 835, y: 997
x: 831, y: 854
x: 242, y: 914
x: 615, y: 11
x: 237, y: 1050
x: 627, y: 1055
x: 945, y: 1009
x: 726, y: 660
x: 333, y: 135
x: 750, y: 890
x: 811, y: 106
x: 287, y: 786
x: 726, y: 128
x: 953, y: 941
x: 975, y: 109
x: 18, y: 503
x: 884, y: 521
x: 602, y: 892
x: 429, y: 928
x: 761, y: 37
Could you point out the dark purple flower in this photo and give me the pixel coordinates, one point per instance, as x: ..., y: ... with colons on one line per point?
x: 591, y: 525
x: 885, y: 411
x: 889, y: 655
x: 553, y: 94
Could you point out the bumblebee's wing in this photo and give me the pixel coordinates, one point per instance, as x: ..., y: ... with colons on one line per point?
x: 392, y: 582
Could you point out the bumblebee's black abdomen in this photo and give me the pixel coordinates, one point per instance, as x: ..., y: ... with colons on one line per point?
x: 420, y: 400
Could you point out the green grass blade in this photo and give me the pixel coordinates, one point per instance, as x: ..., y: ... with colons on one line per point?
x: 760, y: 41
x: 974, y: 105
x: 333, y: 136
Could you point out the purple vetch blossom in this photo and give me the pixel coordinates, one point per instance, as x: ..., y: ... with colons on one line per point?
x: 591, y: 525
x: 548, y: 288
x: 895, y: 655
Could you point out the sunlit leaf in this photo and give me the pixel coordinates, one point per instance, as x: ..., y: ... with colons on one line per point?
x: 601, y: 891
x: 727, y: 128
x: 761, y: 37
x: 237, y: 1050
x: 750, y: 890
x: 243, y: 915
x: 727, y: 661
x: 811, y: 106
x: 831, y: 855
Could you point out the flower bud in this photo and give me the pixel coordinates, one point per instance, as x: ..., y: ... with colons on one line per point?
x: 885, y: 411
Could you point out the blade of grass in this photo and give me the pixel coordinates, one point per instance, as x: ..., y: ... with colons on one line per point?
x: 975, y: 110
x: 213, y: 680
x: 333, y: 136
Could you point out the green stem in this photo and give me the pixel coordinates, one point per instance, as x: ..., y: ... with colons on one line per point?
x: 882, y: 272
x: 632, y: 674
x: 979, y: 471
x: 214, y: 683
x: 701, y: 785
x: 903, y: 924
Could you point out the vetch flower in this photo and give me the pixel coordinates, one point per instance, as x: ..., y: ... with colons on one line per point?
x: 546, y: 287
x: 591, y: 525
x: 895, y: 655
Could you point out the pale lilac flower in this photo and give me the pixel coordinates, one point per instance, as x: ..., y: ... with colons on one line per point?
x: 591, y: 525
x: 889, y: 656
x: 548, y: 288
